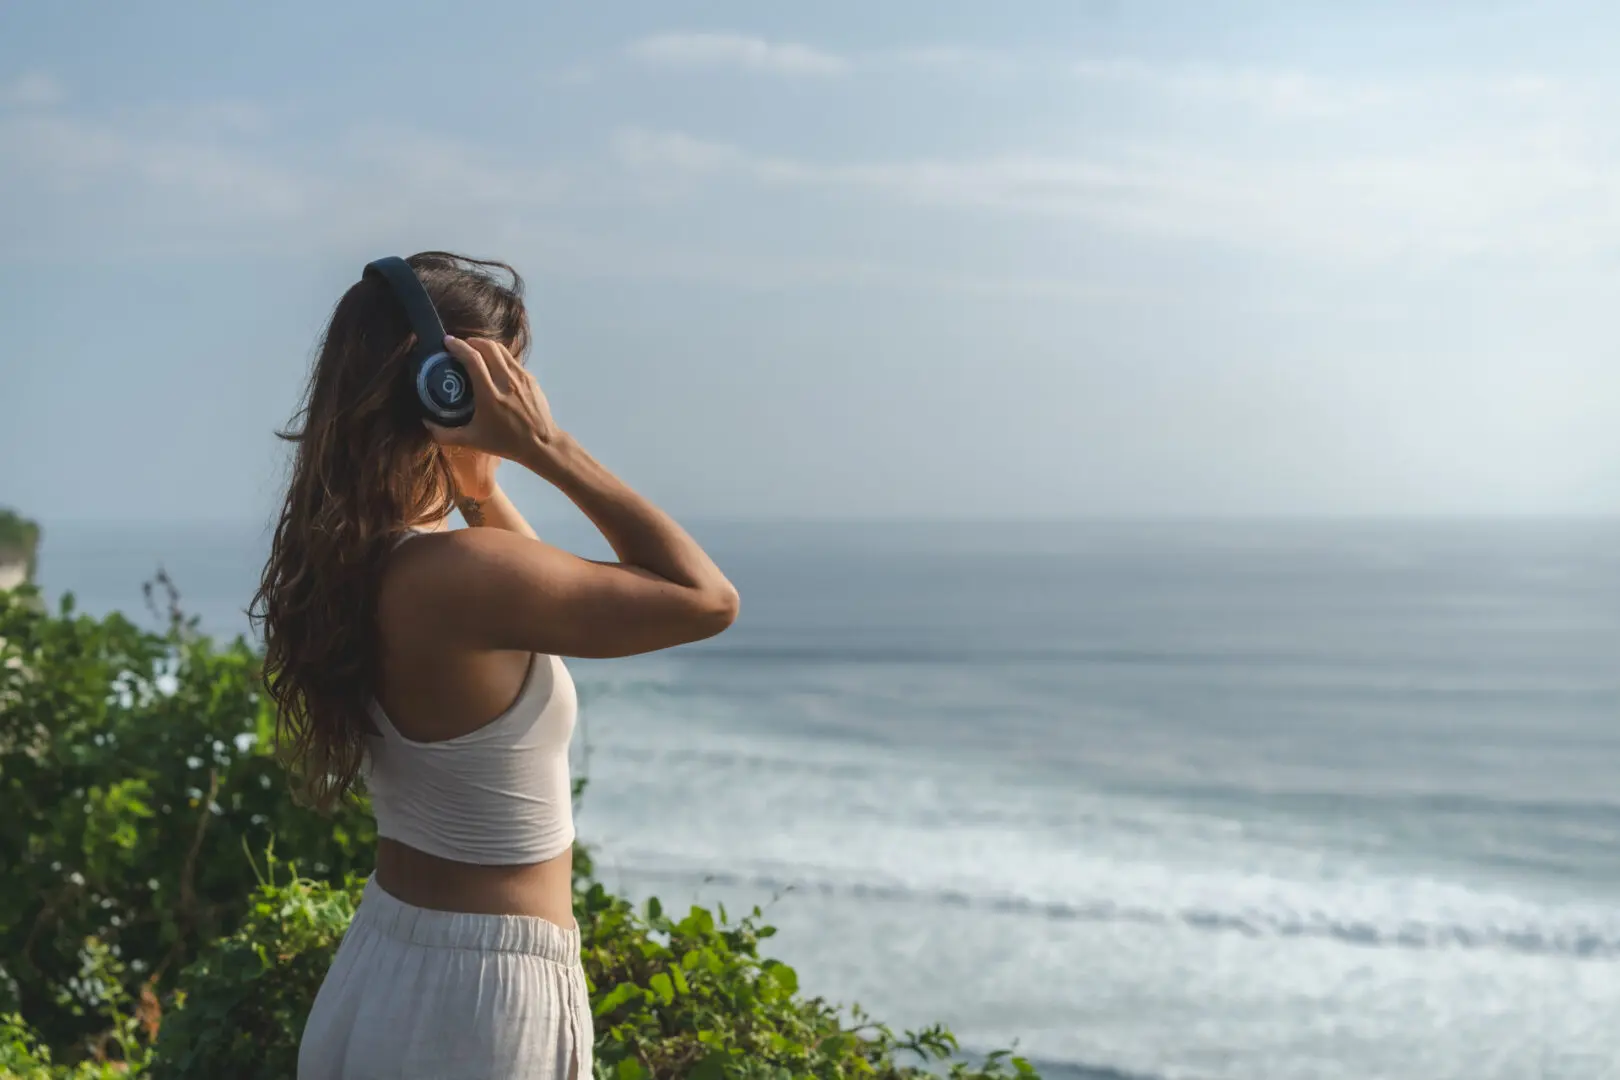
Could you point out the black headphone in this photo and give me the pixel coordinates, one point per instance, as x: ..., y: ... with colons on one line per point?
x: 439, y: 379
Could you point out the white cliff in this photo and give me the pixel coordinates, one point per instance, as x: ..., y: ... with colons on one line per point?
x: 19, y: 539
x: 12, y: 574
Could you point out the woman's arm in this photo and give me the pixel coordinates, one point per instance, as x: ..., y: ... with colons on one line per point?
x: 494, y: 511
x: 492, y: 588
x: 479, y: 496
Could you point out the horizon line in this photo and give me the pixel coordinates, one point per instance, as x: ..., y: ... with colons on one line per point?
x: 1142, y: 518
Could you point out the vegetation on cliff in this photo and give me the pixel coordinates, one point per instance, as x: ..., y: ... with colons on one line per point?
x: 19, y: 540
x: 169, y: 911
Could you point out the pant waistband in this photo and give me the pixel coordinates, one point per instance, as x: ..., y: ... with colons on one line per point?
x: 388, y: 915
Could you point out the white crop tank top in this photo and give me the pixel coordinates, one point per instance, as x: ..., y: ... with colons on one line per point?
x: 499, y: 795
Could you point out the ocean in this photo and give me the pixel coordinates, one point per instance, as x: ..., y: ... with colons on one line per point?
x: 1212, y: 800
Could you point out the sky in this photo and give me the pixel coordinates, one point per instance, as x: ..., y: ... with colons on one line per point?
x: 841, y: 260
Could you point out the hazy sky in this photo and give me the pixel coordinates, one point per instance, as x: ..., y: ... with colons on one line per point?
x: 853, y: 259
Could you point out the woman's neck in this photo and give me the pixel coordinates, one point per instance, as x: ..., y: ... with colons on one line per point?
x: 431, y: 525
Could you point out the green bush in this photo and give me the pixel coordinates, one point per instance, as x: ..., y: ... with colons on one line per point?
x: 139, y: 939
x: 127, y: 806
x: 123, y: 1046
x: 22, y: 1057
x: 241, y: 1005
x: 19, y: 540
x: 686, y: 998
x: 691, y: 997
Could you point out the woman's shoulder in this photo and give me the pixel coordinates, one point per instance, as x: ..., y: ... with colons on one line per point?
x: 434, y: 576
x: 413, y: 574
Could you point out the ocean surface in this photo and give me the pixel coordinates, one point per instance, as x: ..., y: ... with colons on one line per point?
x: 1228, y: 801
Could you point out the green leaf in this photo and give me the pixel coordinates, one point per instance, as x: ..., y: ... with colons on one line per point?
x: 631, y: 1069
x: 712, y: 1067
x: 662, y: 987
x: 783, y: 976
x: 620, y: 994
x: 698, y: 923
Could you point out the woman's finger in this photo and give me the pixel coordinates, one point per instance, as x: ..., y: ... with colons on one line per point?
x: 520, y: 375
x: 477, y: 369
x: 498, y: 371
x: 508, y: 357
x: 500, y: 364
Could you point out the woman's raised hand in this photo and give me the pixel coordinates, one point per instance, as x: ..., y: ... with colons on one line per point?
x: 511, y: 417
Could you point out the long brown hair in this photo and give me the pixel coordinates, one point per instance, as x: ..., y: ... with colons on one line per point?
x: 364, y: 469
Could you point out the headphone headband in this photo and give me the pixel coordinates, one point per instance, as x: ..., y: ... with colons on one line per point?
x: 419, y: 309
x: 440, y: 381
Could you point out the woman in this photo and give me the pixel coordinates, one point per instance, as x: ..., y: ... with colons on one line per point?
x: 425, y: 661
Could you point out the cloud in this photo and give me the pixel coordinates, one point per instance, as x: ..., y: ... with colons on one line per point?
x: 1539, y: 180
x: 218, y: 177
x: 1304, y: 95
x: 746, y: 53
x: 1281, y: 92
x: 951, y: 59
x: 32, y: 89
x: 569, y: 251
x: 226, y: 177
x: 214, y: 179
x: 1536, y: 196
x: 72, y: 155
x: 693, y: 51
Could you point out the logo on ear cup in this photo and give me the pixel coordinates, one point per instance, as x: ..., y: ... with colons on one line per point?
x: 444, y: 390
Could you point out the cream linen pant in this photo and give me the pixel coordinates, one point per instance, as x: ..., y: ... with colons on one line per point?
x: 416, y: 994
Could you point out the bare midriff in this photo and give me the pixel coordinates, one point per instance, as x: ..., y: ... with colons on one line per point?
x: 544, y: 890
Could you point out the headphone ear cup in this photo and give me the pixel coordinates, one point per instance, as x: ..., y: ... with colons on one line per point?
x: 444, y: 390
